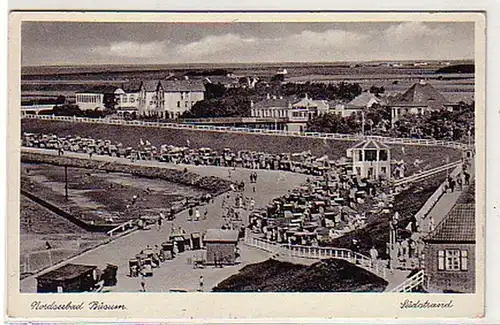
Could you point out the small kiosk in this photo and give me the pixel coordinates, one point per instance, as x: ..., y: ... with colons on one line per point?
x: 68, y: 278
x: 371, y: 159
x: 221, y: 246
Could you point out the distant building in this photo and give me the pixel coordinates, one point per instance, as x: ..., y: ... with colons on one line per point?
x: 297, y: 112
x: 97, y: 97
x: 180, y: 96
x: 127, y: 100
x: 371, y: 159
x: 361, y: 102
x: 221, y: 246
x: 420, y: 98
x: 169, y: 98
x: 450, y: 252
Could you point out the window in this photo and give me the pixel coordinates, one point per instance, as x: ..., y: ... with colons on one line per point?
x: 383, y: 155
x: 383, y: 170
x: 452, y: 260
x: 178, y: 104
x: 370, y: 155
x: 186, y: 104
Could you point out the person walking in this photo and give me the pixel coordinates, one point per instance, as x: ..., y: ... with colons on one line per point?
x: 143, y: 282
x: 190, y: 214
x: 205, y: 213
x: 201, y: 282
x: 373, y: 255
x: 197, y: 214
x: 159, y: 222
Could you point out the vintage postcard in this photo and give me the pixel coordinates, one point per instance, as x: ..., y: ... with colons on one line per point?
x: 246, y: 165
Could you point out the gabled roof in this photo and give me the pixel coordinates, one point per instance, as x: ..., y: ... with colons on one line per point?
x: 182, y: 85
x: 363, y: 99
x: 457, y: 226
x: 305, y: 102
x: 422, y: 93
x: 66, y: 272
x: 219, y: 235
x: 370, y: 144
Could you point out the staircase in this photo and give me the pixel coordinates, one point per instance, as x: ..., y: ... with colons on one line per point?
x: 411, y: 283
x: 291, y: 252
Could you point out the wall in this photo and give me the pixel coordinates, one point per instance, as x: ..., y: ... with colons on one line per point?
x: 226, y: 250
x: 189, y: 98
x: 459, y: 281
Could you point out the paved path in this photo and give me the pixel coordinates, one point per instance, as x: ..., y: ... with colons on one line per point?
x: 177, y: 273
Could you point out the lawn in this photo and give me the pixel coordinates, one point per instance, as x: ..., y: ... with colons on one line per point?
x: 329, y: 275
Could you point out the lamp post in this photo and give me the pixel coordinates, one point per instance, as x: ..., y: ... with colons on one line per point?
x: 66, y: 182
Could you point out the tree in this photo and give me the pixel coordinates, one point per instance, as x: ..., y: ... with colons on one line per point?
x: 214, y: 91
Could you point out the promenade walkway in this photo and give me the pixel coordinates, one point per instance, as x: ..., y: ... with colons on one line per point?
x: 178, y: 273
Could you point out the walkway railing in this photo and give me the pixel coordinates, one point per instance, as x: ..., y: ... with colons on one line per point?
x: 121, y: 228
x: 316, y: 252
x: 411, y: 283
x: 213, y: 128
x: 426, y: 174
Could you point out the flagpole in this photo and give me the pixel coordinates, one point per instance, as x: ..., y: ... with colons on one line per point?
x: 363, y: 123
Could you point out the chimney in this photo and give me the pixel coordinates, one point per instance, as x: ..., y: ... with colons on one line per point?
x: 251, y: 104
x: 281, y: 97
x: 274, y: 96
x: 306, y: 96
x: 268, y: 96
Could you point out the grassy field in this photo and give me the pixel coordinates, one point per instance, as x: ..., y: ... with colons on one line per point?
x: 335, y: 149
x: 325, y: 276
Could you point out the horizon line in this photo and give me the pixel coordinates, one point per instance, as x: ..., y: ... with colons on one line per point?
x: 232, y: 63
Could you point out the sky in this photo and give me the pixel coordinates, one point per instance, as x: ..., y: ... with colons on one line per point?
x: 70, y: 43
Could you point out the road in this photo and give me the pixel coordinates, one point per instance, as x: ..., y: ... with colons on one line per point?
x: 178, y: 273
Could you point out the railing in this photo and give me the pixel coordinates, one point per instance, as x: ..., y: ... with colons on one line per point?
x: 426, y: 174
x: 315, y: 252
x: 121, y: 228
x: 320, y: 135
x: 411, y: 283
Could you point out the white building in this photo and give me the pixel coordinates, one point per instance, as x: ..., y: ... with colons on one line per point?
x: 181, y: 95
x: 371, y: 159
x: 96, y: 98
x: 169, y: 98
x: 296, y: 112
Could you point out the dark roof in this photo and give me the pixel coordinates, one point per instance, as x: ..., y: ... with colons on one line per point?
x: 459, y: 225
x: 271, y: 102
x: 66, y: 272
x: 150, y: 85
x: 370, y: 144
x: 219, y: 235
x: 422, y: 93
x: 363, y: 99
x: 132, y: 86
x: 100, y: 89
x: 182, y: 85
